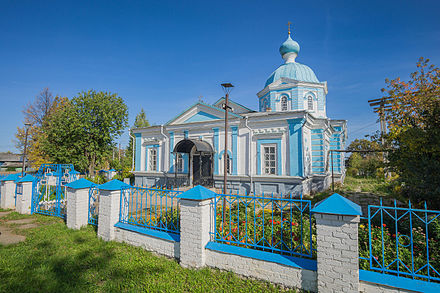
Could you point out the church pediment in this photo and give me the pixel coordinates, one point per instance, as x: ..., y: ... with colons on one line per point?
x: 199, y: 112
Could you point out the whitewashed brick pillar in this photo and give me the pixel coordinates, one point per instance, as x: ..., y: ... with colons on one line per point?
x: 109, y: 206
x: 337, y: 220
x: 24, y: 200
x: 8, y: 191
x: 77, y: 213
x: 195, y: 224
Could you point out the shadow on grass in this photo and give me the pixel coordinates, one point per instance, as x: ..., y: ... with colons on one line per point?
x: 57, y: 265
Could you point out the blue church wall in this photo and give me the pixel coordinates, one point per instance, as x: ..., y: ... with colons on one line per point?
x: 185, y: 134
x: 234, y: 130
x: 146, y: 156
x: 201, y: 116
x: 276, y: 141
x: 318, y: 163
x: 297, y: 97
x: 171, y: 151
x: 138, y: 142
x: 296, y: 147
x: 335, y: 144
x: 216, y: 158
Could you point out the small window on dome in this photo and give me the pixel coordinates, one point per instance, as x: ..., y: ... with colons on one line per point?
x: 284, y: 103
x: 310, y: 103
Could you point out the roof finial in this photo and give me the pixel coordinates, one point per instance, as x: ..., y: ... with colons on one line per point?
x: 288, y: 26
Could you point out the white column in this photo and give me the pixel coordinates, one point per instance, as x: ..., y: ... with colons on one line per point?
x: 24, y: 200
x: 337, y: 221
x: 77, y: 212
x: 195, y: 224
x: 108, y: 216
x: 8, y: 195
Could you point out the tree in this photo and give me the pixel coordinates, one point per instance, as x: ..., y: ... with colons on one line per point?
x: 139, y: 121
x: 364, y: 164
x: 36, y: 114
x: 83, y: 131
x: 414, y: 124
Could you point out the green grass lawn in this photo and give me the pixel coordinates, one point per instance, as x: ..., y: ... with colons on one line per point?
x: 375, y: 186
x: 56, y: 259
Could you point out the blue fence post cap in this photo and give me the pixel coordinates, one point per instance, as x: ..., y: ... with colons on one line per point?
x: 115, y: 184
x: 27, y: 178
x: 197, y: 193
x: 80, y: 183
x: 338, y: 205
x: 12, y: 177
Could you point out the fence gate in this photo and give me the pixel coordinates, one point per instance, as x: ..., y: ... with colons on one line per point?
x: 93, y: 205
x: 49, y: 190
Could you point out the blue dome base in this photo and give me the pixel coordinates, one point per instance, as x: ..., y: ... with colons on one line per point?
x: 295, y: 71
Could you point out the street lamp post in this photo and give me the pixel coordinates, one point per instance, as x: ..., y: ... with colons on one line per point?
x: 27, y: 125
x: 227, y: 87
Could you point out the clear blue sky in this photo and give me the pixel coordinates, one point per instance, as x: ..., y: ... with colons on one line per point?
x: 163, y: 55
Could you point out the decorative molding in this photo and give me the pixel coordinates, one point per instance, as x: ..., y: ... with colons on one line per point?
x: 148, y: 140
x: 273, y: 130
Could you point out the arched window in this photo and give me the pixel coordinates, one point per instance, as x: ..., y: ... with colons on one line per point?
x: 284, y: 103
x: 310, y: 103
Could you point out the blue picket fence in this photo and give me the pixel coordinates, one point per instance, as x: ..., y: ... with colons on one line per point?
x: 266, y: 223
x: 403, y: 242
x: 93, y: 206
x: 152, y: 208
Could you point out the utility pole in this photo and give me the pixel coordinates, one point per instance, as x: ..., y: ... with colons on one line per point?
x: 27, y: 125
x: 380, y: 106
x: 227, y: 88
x: 119, y: 152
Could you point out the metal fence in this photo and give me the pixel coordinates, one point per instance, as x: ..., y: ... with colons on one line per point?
x: 278, y: 225
x: 93, y: 206
x: 152, y: 208
x: 404, y: 242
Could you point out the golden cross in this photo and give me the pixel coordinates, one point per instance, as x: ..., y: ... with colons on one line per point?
x: 288, y: 25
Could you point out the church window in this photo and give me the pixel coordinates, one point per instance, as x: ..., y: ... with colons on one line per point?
x: 179, y: 162
x: 310, y: 103
x: 228, y: 164
x: 284, y: 103
x: 152, y: 159
x: 269, y: 160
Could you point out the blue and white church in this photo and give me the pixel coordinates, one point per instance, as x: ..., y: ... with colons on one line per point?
x: 281, y: 148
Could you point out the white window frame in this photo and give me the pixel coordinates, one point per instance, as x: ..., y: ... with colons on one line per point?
x: 265, y: 168
x: 284, y: 101
x: 152, y: 164
x: 311, y: 102
x: 180, y: 163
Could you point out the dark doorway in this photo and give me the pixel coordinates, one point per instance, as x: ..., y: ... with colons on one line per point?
x: 202, y: 169
x: 200, y: 158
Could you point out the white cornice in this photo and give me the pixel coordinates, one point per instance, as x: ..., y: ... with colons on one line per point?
x: 290, y: 83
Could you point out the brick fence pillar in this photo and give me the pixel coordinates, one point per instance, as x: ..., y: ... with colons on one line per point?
x: 195, y: 225
x: 77, y: 211
x: 109, y: 207
x: 337, y: 220
x: 23, y: 202
x: 8, y: 191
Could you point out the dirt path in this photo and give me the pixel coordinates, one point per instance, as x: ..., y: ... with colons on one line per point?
x: 7, y: 236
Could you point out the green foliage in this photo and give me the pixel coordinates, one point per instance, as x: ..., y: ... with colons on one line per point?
x: 82, y: 131
x: 387, y: 234
x: 141, y: 120
x: 57, y: 259
x: 364, y: 164
x: 268, y: 227
x: 414, y: 121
